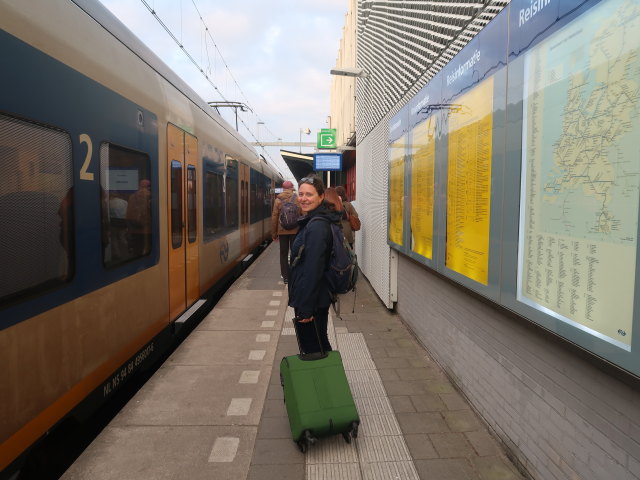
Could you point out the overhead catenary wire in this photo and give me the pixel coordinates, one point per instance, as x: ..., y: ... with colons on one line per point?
x: 207, y: 77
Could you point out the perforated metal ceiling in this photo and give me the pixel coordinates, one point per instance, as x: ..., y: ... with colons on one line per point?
x: 402, y: 44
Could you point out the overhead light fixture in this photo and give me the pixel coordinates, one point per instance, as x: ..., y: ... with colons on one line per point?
x: 349, y: 72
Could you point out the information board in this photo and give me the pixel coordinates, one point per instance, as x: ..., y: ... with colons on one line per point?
x: 422, y: 186
x: 527, y: 188
x: 469, y: 183
x: 327, y: 162
x: 581, y: 172
x: 396, y: 190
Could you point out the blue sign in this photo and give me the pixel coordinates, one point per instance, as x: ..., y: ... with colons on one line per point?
x: 327, y: 161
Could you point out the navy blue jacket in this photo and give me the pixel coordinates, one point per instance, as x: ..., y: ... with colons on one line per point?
x: 308, y: 289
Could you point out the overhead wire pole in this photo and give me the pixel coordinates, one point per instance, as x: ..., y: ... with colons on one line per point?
x: 235, y: 105
x: 195, y: 63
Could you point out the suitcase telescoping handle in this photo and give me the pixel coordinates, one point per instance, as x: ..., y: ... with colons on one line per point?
x: 314, y: 355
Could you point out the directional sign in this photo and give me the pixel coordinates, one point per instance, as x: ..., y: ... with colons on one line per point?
x: 327, y: 138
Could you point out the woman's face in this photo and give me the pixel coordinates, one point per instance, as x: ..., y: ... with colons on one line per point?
x: 309, y: 198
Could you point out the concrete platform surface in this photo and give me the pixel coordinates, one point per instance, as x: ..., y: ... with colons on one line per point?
x: 215, y: 409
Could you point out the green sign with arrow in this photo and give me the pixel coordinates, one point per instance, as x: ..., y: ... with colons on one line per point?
x: 327, y: 138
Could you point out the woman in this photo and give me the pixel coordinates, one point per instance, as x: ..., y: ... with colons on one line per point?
x: 308, y: 290
x: 349, y: 211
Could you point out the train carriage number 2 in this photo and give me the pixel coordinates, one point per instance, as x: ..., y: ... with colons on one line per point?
x: 84, y: 175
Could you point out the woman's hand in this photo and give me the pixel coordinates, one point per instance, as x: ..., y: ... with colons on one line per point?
x: 306, y: 320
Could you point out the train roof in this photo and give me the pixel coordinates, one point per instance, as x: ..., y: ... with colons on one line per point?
x: 113, y: 25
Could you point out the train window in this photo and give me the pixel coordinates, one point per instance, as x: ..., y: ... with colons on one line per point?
x: 213, y: 202
x: 232, y: 193
x: 126, y: 204
x: 253, y: 199
x: 176, y: 204
x: 36, y: 209
x: 192, y: 214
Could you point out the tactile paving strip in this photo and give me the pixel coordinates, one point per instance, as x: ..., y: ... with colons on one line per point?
x: 390, y: 470
x: 378, y: 425
x: 332, y: 450
x: 374, y: 406
x: 379, y: 452
x: 333, y: 471
x: 382, y: 449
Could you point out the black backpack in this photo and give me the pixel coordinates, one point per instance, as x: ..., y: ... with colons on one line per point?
x: 289, y: 213
x: 342, y: 272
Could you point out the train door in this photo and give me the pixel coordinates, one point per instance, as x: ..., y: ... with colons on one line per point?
x: 182, y: 156
x: 244, y: 207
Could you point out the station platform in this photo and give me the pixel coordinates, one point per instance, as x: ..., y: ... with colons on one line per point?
x: 215, y: 409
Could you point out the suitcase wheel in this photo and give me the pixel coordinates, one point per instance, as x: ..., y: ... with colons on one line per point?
x: 353, y: 433
x: 354, y: 429
x: 306, y: 440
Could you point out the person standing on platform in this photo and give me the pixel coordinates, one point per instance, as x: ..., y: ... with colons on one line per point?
x: 284, y: 224
x: 309, y: 293
x: 350, y: 219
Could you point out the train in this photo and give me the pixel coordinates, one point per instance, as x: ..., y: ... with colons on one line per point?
x: 125, y: 200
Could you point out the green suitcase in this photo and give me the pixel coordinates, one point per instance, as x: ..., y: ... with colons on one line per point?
x: 318, y: 398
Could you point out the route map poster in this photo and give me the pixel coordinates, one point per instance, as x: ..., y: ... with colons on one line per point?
x: 469, y: 183
x: 396, y: 190
x: 580, y: 185
x: 422, y: 187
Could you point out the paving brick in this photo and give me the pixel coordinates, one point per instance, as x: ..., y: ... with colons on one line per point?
x: 277, y: 472
x: 274, y: 427
x: 451, y: 445
x: 439, y: 385
x: 454, y: 401
x: 446, y: 469
x: 386, y: 362
x: 398, y: 387
x: 419, y: 373
x: 420, y: 446
x: 276, y: 452
x: 495, y: 468
x: 401, y: 404
x: 274, y: 408
x: 388, y: 374
x: 483, y: 443
x: 422, y: 423
x: 428, y: 403
x: 462, y: 421
x: 275, y: 392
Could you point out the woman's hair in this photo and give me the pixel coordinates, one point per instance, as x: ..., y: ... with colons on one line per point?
x: 315, y: 182
x: 340, y: 191
x: 332, y: 199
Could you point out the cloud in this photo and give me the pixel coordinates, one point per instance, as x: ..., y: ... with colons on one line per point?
x: 280, y: 53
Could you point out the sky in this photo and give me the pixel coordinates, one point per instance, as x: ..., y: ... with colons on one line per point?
x: 279, y: 53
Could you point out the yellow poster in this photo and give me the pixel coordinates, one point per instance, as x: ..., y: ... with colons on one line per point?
x: 396, y: 190
x: 469, y: 183
x: 422, y: 187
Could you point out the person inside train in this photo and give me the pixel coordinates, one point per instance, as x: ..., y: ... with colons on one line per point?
x: 350, y: 220
x: 139, y: 220
x: 118, y: 226
x: 286, y: 208
x: 309, y: 293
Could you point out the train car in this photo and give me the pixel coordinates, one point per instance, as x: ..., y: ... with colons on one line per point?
x: 124, y: 199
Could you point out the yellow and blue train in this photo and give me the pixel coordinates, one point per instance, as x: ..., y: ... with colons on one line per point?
x: 124, y: 199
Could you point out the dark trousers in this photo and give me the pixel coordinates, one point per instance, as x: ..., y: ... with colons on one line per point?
x: 307, y: 333
x: 285, y: 245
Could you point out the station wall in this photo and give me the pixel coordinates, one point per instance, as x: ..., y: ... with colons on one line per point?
x: 559, y: 414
